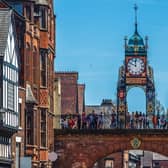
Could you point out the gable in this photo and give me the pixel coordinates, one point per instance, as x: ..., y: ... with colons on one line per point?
x: 3, y: 4
x: 10, y: 55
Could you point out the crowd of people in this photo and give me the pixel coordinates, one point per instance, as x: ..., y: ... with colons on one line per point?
x: 89, y: 121
x: 139, y: 120
x: 134, y: 120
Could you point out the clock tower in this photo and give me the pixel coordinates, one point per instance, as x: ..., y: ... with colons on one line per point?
x: 135, y: 73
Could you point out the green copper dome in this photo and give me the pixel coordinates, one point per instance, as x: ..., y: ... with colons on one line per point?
x: 135, y: 45
x: 136, y: 40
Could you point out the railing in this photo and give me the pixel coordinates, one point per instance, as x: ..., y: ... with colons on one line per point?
x: 116, y: 131
x: 109, y: 121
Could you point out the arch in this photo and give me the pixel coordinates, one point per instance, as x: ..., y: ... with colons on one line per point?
x: 132, y: 92
x: 125, y: 147
x: 86, y: 149
x: 119, y: 158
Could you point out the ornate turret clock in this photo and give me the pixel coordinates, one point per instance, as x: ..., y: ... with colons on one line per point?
x: 135, y: 73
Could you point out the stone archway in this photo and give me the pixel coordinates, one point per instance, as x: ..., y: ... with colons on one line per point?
x: 82, y: 150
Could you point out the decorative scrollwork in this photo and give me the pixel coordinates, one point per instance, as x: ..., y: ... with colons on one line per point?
x: 150, y: 107
x: 135, y: 143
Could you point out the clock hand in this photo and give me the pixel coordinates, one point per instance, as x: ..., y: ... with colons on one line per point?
x: 132, y: 63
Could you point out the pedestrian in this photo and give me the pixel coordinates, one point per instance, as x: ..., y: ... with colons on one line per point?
x: 140, y: 117
x: 62, y: 123
x: 147, y: 121
x: 144, y: 120
x: 78, y: 121
x: 154, y: 121
x: 163, y: 122
x: 128, y: 117
x: 71, y: 122
x: 132, y: 120
x: 167, y: 121
x: 100, y: 121
x: 65, y: 123
x: 136, y: 119
x: 112, y: 125
x: 84, y: 120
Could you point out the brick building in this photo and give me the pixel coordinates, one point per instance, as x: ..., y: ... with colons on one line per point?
x: 81, y: 98
x: 69, y: 96
x: 71, y: 93
x: 35, y: 32
x: 57, y: 102
x: 107, y: 106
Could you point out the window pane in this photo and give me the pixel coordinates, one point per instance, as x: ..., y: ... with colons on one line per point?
x: 43, y: 18
x: 10, y: 96
x: 43, y: 127
x: 28, y: 12
x: 43, y: 68
x: 29, y: 126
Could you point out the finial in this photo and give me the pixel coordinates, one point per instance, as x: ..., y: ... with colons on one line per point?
x: 135, y: 8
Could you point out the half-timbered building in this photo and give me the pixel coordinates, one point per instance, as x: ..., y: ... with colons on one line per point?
x: 8, y: 85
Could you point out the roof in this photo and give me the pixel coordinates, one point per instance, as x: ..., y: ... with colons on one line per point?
x: 106, y: 102
x: 5, y: 20
x: 136, y: 39
x: 29, y: 95
x: 136, y: 45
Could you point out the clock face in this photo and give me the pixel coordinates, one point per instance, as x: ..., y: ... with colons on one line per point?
x: 136, y: 66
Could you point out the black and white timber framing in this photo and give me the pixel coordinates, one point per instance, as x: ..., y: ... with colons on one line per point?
x: 8, y: 83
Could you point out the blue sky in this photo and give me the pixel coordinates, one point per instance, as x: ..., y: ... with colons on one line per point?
x: 89, y: 40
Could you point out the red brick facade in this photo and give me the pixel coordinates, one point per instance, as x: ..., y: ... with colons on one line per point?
x: 69, y: 92
x: 35, y: 26
x: 83, y: 149
x: 81, y: 98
